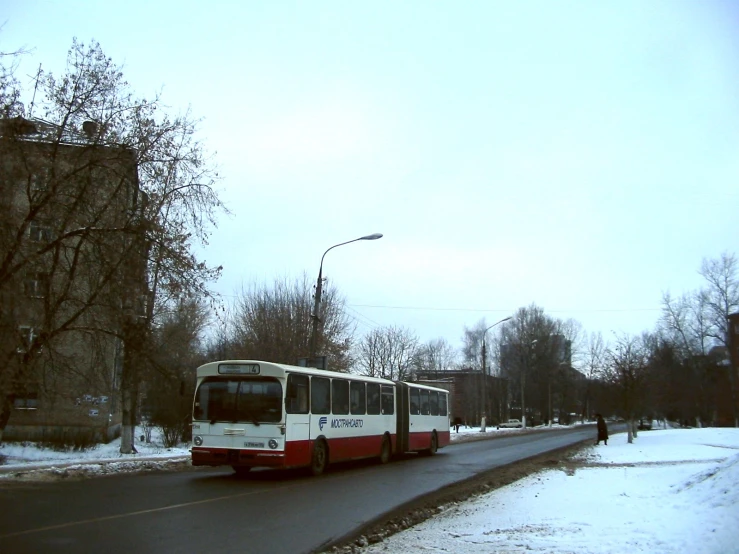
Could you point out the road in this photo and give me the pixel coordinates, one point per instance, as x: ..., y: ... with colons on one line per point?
x: 210, y: 510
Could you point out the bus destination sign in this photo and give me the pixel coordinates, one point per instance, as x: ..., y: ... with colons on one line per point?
x: 238, y: 369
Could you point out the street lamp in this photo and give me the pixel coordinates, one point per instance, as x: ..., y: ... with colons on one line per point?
x: 319, y: 290
x: 484, y: 376
x: 523, y: 384
x: 560, y: 365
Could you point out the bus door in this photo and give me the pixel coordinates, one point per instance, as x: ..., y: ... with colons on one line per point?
x: 403, y: 426
x: 297, y: 420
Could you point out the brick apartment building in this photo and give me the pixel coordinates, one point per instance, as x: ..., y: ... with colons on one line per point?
x: 73, y: 270
x: 467, y: 392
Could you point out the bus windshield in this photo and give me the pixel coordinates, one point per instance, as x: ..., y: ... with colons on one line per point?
x: 252, y: 400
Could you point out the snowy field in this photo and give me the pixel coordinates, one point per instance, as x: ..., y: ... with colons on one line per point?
x: 672, y: 490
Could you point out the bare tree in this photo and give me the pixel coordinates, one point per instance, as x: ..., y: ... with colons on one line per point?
x: 113, y: 256
x: 472, y: 344
x: 626, y: 370
x: 436, y: 356
x: 528, y: 350
x: 720, y: 294
x: 178, y: 342
x: 372, y: 357
x: 388, y: 352
x: 696, y: 322
x: 721, y: 297
x: 273, y: 322
x: 10, y: 90
x: 593, y: 365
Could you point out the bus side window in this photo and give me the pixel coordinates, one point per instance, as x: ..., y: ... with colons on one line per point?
x: 388, y: 400
x: 357, y: 397
x: 373, y: 399
x: 339, y: 396
x: 424, y: 402
x: 415, y: 401
x: 442, y: 403
x: 320, y: 395
x: 434, y: 401
x: 296, y: 399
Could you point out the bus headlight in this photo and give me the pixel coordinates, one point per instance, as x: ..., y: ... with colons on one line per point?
x: 272, y: 444
x: 197, y: 440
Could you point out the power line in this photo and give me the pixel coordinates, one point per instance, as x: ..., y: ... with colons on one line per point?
x: 371, y: 325
x: 427, y: 308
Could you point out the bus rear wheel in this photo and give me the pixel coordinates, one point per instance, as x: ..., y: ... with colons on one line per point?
x: 241, y: 471
x: 434, y: 445
x: 319, y: 460
x: 385, y: 451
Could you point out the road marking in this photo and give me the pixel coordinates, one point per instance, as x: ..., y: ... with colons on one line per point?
x: 138, y: 513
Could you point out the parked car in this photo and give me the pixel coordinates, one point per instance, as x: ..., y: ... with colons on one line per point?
x: 645, y: 424
x: 510, y: 424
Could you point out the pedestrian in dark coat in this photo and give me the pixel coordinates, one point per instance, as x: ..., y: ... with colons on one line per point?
x: 602, y: 430
x: 457, y: 423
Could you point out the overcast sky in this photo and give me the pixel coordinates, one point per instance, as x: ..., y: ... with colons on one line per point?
x: 582, y: 156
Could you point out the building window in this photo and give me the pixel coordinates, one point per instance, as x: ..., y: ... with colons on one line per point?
x: 27, y: 335
x: 35, y: 285
x: 38, y: 232
x: 39, y: 180
x: 26, y: 402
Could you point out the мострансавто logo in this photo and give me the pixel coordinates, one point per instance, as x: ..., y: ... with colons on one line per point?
x: 340, y: 423
x: 337, y: 423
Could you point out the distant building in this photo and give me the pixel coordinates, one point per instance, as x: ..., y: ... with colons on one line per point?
x: 466, y: 394
x: 733, y: 342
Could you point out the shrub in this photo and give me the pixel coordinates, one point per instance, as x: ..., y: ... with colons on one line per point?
x: 62, y: 440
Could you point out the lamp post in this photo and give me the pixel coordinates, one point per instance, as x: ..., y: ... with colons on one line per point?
x: 319, y: 289
x: 483, y: 421
x: 560, y: 365
x: 523, y: 385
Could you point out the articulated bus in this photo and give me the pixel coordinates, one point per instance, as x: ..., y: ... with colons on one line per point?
x: 249, y: 413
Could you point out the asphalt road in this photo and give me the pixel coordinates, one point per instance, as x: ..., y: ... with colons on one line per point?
x: 210, y: 510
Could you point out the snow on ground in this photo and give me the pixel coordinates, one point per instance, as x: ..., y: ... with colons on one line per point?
x: 672, y: 490
x: 25, y: 461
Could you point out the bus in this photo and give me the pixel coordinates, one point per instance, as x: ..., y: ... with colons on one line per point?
x: 249, y: 413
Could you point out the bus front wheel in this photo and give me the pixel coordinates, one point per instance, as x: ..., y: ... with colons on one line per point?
x: 319, y: 460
